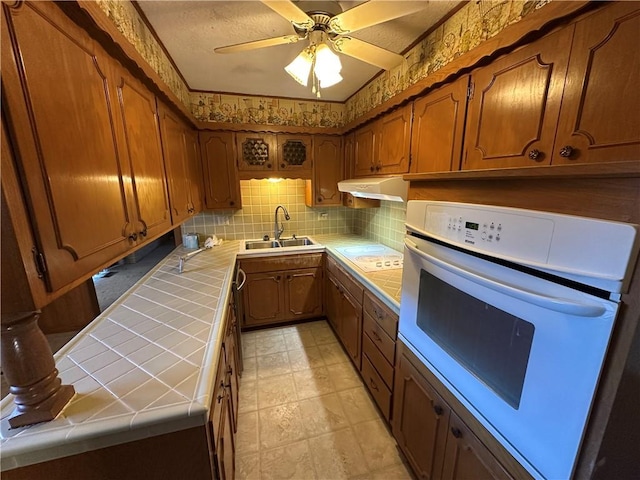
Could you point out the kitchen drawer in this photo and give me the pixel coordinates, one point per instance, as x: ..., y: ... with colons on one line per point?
x: 387, y: 319
x: 348, y: 282
x: 378, y: 361
x: 379, y: 337
x: 285, y: 262
x: 381, y: 394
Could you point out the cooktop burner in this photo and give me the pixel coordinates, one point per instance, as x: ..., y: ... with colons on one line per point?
x: 371, y: 258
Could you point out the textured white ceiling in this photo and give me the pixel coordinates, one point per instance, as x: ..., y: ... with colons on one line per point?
x: 190, y: 30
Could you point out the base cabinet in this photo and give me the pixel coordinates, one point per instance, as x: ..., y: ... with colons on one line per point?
x: 435, y: 441
x: 281, y: 289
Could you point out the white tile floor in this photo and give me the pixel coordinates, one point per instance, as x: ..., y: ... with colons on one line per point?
x: 304, y: 413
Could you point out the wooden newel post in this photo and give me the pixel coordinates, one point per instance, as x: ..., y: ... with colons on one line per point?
x: 29, y: 368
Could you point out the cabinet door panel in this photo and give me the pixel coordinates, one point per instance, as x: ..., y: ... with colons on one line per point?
x: 295, y: 154
x: 394, y: 141
x: 263, y: 299
x: 303, y: 293
x: 141, y: 136
x: 513, y: 113
x: 466, y: 457
x: 256, y: 153
x: 332, y: 299
x: 194, y: 171
x: 351, y: 327
x: 363, y: 150
x: 420, y: 419
x: 222, y: 187
x: 438, y: 125
x: 602, y: 87
x: 328, y: 171
x: 62, y: 121
x: 175, y: 157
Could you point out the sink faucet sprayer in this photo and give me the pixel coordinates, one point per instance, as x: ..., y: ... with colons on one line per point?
x: 279, y: 229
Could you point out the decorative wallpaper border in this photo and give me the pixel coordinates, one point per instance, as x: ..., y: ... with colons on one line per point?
x: 474, y: 23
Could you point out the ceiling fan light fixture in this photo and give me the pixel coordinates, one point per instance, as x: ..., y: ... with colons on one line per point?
x: 330, y: 80
x: 300, y: 67
x: 327, y: 62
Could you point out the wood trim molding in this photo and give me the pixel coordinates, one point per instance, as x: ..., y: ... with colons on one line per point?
x: 592, y: 170
x: 529, y: 28
x: 254, y: 127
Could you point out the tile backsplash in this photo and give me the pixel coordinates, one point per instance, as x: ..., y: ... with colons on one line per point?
x: 261, y: 197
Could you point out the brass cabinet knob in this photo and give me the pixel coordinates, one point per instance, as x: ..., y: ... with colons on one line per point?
x: 566, y: 151
x: 534, y: 154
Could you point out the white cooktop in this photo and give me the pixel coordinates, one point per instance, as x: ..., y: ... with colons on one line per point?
x: 372, y: 258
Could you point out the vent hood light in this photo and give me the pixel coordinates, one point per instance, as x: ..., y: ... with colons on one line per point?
x: 394, y: 189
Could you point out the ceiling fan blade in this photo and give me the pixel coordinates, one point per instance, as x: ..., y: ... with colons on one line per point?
x: 268, y: 42
x: 367, y: 52
x: 372, y: 13
x: 291, y: 12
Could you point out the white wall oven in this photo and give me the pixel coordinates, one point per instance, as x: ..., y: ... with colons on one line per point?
x: 513, y: 311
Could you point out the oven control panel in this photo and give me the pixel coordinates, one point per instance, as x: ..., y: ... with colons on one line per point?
x: 556, y: 242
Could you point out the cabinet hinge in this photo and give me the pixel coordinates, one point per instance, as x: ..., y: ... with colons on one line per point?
x: 470, y: 91
x: 41, y: 264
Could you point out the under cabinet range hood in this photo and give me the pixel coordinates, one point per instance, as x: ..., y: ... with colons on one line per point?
x: 381, y: 188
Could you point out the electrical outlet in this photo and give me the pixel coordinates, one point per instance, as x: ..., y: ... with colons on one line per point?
x: 323, y: 216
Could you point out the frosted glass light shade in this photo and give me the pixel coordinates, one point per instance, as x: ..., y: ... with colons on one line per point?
x: 327, y: 66
x: 300, y: 68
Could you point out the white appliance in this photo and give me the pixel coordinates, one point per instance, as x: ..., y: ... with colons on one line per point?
x: 394, y: 189
x: 372, y: 258
x: 513, y: 311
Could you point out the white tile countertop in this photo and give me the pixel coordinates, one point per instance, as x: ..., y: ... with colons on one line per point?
x: 147, y: 364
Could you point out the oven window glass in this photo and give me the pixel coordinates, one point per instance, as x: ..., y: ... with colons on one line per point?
x: 490, y: 343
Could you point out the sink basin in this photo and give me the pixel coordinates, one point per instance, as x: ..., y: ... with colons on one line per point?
x: 256, y: 244
x: 288, y: 242
x: 296, y: 242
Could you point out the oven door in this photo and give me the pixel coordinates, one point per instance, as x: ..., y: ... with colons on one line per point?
x: 523, y: 354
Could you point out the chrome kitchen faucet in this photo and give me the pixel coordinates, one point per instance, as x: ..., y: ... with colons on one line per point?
x: 278, y: 229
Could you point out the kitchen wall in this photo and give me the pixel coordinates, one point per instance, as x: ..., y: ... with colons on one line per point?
x: 261, y: 197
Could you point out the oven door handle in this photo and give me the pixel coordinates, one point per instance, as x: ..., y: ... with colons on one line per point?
x: 557, y: 304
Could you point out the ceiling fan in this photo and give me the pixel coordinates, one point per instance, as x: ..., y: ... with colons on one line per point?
x: 328, y: 32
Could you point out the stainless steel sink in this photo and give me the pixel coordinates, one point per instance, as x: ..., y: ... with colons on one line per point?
x: 288, y: 242
x: 296, y: 242
x: 256, y: 244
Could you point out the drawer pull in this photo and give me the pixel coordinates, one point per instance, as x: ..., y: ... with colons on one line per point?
x: 373, y: 384
x: 379, y: 316
x: 376, y: 336
x: 456, y: 432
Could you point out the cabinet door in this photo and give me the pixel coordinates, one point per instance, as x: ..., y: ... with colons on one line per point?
x: 419, y: 421
x: 599, y: 120
x: 56, y: 96
x: 231, y: 372
x: 328, y: 171
x: 194, y: 170
x: 224, y: 445
x: 221, y: 184
x: 394, y: 141
x: 256, y: 153
x: 264, y: 299
x: 332, y: 300
x: 351, y: 327
x: 349, y: 155
x: 466, y: 457
x: 143, y: 149
x: 438, y: 127
x: 303, y: 293
x: 513, y: 112
x: 295, y: 155
x: 364, y: 150
x: 175, y: 157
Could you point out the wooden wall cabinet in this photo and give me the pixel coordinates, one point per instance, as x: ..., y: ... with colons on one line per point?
x: 262, y: 155
x: 182, y: 159
x: 544, y: 105
x: 435, y: 441
x: 438, y: 128
x: 383, y: 147
x: 221, y: 184
x: 84, y: 135
x: 599, y: 120
x: 328, y: 170
x: 281, y: 289
x: 513, y: 111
